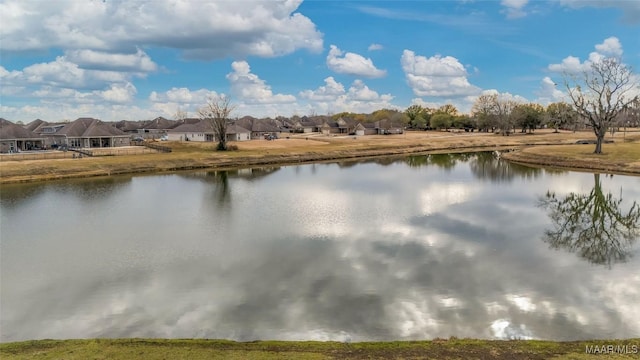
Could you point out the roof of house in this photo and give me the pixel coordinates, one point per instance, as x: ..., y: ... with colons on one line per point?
x: 129, y: 125
x: 35, y: 125
x: 236, y: 129
x: 264, y: 126
x: 89, y: 127
x: 201, y: 127
x: 160, y: 123
x: 369, y: 125
x: 389, y: 124
x: 10, y: 131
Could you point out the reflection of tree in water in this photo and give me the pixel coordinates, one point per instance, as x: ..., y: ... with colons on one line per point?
x: 222, y: 188
x: 443, y: 161
x: 486, y: 165
x: 593, y: 225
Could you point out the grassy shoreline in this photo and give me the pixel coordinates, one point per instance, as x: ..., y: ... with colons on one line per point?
x: 224, y: 349
x: 302, y: 149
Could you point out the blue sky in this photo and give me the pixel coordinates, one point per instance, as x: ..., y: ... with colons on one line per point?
x: 117, y: 59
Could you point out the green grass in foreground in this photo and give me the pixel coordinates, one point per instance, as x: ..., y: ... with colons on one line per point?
x: 222, y: 349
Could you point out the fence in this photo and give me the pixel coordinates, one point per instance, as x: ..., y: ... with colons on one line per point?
x: 44, y: 155
x: 75, y: 154
x: 160, y: 148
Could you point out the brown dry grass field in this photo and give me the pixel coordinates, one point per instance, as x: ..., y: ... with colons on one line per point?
x: 445, y: 349
x: 622, y: 156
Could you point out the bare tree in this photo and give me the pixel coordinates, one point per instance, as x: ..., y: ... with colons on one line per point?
x: 504, y: 113
x: 601, y: 93
x: 180, y: 115
x: 216, y: 113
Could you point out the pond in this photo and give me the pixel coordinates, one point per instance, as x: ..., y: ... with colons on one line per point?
x: 426, y: 246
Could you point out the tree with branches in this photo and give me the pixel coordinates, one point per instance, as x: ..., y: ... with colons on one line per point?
x: 560, y: 114
x: 497, y: 109
x: 601, y: 93
x: 594, y: 225
x: 216, y: 113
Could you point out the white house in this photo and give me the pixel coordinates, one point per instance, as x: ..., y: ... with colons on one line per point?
x: 202, y: 131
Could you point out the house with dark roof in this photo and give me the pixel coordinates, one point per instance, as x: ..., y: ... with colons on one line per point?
x: 15, y: 138
x: 238, y: 133
x: 129, y: 126
x: 157, y: 127
x: 388, y: 127
x: 203, y: 131
x: 88, y: 133
x: 35, y: 125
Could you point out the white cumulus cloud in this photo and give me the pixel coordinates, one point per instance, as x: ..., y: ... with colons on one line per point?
x: 119, y: 93
x: 549, y: 92
x: 374, y: 47
x: 610, y: 47
x: 330, y: 91
x: 201, y: 29
x: 436, y: 76
x: 99, y: 60
x: 182, y: 96
x: 352, y: 64
x: 333, y: 97
x: 249, y: 88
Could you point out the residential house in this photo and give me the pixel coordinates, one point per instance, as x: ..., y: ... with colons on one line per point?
x: 157, y: 127
x: 86, y: 133
x: 388, y: 127
x: 15, y: 138
x: 187, y: 131
x: 203, y: 131
x: 237, y: 133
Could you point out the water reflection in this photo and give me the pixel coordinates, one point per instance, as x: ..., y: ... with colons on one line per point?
x: 492, y: 167
x: 221, y: 192
x: 317, y: 251
x: 443, y: 161
x: 594, y: 225
x: 101, y: 188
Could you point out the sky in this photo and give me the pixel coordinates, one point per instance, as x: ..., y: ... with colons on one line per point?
x: 140, y: 59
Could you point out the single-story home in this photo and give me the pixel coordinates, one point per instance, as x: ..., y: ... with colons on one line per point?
x: 87, y: 133
x: 15, y: 138
x: 202, y: 131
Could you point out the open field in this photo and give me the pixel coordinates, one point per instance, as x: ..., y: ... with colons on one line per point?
x: 303, y: 148
x: 617, y: 157
x: 262, y: 350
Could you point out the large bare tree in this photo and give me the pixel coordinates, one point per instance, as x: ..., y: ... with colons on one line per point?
x: 216, y: 113
x: 602, y: 91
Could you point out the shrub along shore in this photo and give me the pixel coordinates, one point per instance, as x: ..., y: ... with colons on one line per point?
x: 623, y: 156
x: 301, y: 350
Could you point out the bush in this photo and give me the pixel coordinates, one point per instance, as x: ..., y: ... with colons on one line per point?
x: 232, y: 147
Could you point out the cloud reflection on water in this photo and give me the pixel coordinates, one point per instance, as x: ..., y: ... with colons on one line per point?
x: 363, y: 252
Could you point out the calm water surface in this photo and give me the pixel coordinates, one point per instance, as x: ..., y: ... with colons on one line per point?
x: 391, y: 249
